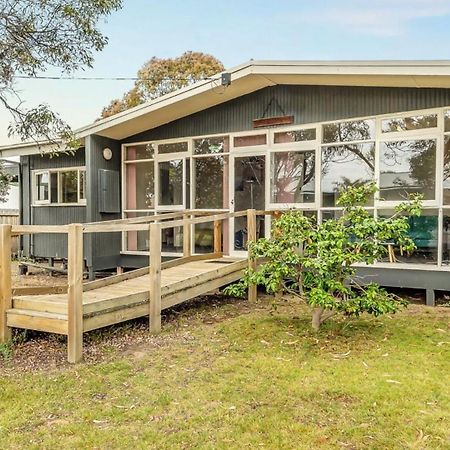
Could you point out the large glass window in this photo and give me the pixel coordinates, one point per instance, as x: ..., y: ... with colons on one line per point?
x: 399, y: 124
x: 407, y: 167
x: 343, y: 166
x: 211, y: 176
x: 357, y: 130
x: 292, y: 177
x: 140, y: 185
x: 171, y: 182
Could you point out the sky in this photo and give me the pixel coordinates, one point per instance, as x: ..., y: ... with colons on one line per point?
x: 237, y: 31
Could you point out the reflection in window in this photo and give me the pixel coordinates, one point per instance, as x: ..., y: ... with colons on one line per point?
x: 82, y: 185
x: 295, y: 136
x: 292, y: 179
x: 204, y: 237
x: 145, y: 151
x: 172, y: 240
x: 446, y: 171
x: 249, y: 141
x: 137, y: 240
x: 446, y: 238
x: 211, y: 145
x: 407, y: 167
x: 343, y: 166
x: 409, y: 123
x: 211, y: 182
x: 358, y: 130
x: 171, y: 182
x: 423, y: 230
x: 447, y: 120
x: 174, y: 147
x: 69, y: 186
x: 42, y: 186
x: 140, y: 185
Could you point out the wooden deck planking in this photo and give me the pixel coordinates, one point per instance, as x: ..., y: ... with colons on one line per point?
x: 126, y: 299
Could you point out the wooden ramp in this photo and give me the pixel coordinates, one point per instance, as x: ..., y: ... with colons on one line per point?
x: 78, y: 307
x: 124, y: 300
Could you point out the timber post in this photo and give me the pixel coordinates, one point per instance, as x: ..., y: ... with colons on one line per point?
x: 5, y: 281
x: 186, y: 236
x: 217, y: 236
x: 155, y: 277
x: 75, y: 293
x: 251, y: 237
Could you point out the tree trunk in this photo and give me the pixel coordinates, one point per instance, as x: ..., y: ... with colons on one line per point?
x: 317, y: 318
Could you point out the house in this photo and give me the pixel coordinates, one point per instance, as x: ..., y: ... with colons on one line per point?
x: 264, y: 135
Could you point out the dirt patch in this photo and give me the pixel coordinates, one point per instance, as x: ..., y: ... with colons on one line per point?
x: 36, y: 277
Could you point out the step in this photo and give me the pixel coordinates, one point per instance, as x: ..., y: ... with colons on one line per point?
x: 40, y: 303
x: 37, y: 320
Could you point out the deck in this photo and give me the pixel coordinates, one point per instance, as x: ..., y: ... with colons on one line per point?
x: 78, y: 307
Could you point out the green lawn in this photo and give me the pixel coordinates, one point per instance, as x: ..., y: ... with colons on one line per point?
x: 233, y: 375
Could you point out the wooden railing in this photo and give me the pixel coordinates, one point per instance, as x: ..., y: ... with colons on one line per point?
x: 75, y: 287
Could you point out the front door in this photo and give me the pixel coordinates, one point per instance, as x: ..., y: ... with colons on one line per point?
x: 249, y: 181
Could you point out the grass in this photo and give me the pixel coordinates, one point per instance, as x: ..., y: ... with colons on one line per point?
x: 238, y: 376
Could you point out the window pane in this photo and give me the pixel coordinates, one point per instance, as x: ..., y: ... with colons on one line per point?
x: 211, y: 182
x: 446, y: 238
x: 423, y: 231
x: 174, y: 147
x: 211, y: 145
x: 295, y: 136
x: 446, y: 174
x: 204, y: 237
x: 140, y: 185
x: 54, y: 187
x: 171, y: 182
x: 137, y: 240
x: 447, y: 120
x: 359, y: 130
x: 249, y: 141
x: 82, y: 185
x: 69, y: 186
x: 292, y: 178
x: 172, y: 240
x: 407, y: 167
x: 343, y: 166
x: 409, y: 123
x: 145, y: 151
x: 42, y: 186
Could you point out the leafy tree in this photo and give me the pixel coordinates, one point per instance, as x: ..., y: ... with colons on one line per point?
x: 315, y: 262
x: 36, y: 35
x: 159, y: 76
x: 5, y: 179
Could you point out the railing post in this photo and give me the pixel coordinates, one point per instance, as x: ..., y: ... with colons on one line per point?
x: 5, y: 281
x: 75, y: 293
x: 186, y: 236
x: 155, y: 278
x: 251, y: 237
x: 217, y: 236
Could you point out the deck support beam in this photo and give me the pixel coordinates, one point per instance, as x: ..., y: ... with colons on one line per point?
x: 5, y: 281
x: 75, y: 294
x: 155, y: 278
x: 251, y: 237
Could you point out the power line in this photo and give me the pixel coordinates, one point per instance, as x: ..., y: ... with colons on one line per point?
x: 42, y: 77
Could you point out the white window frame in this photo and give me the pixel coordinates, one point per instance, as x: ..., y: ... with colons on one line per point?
x: 58, y: 171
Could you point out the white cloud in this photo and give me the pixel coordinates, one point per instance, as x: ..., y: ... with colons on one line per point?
x: 379, y: 17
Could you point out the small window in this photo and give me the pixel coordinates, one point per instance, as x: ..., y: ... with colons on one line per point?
x: 136, y: 152
x: 250, y: 141
x: 213, y: 145
x: 358, y: 130
x: 400, y: 124
x: 60, y: 186
x: 174, y: 147
x: 295, y: 136
x: 42, y: 187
